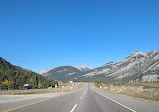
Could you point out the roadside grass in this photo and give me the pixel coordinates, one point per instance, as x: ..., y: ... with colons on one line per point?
x: 138, y: 91
x: 64, y: 84
x: 43, y: 91
x: 150, y: 84
x: 147, y: 87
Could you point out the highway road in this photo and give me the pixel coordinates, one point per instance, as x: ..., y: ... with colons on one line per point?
x: 87, y: 99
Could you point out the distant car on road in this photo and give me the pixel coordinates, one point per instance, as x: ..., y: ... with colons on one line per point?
x: 27, y: 86
x: 50, y: 87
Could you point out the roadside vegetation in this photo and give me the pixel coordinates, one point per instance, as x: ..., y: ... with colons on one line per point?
x: 143, y: 90
x: 43, y: 91
x: 64, y: 84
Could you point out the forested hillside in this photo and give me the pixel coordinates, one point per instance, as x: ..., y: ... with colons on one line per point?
x: 14, y: 77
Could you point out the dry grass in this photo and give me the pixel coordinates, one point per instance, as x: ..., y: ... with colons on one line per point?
x: 43, y: 91
x: 148, y: 93
x: 151, y: 84
x: 64, y: 84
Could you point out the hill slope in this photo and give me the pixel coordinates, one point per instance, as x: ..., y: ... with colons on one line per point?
x: 63, y: 73
x: 14, y: 77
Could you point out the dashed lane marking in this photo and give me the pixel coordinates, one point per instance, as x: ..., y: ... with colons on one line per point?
x: 73, y: 108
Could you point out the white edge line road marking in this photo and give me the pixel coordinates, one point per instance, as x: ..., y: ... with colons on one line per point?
x: 73, y: 108
x: 115, y: 101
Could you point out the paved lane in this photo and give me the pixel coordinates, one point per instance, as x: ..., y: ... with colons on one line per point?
x: 94, y: 102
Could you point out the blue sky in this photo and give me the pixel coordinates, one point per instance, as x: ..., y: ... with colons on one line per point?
x: 43, y: 34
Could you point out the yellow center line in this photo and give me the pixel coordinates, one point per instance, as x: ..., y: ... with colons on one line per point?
x: 33, y: 103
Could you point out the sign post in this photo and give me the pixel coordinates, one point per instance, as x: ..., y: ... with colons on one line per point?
x: 55, y: 85
x: 62, y: 88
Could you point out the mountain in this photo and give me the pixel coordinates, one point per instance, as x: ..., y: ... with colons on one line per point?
x: 44, y: 71
x: 14, y: 77
x: 63, y: 73
x: 83, y: 68
x: 139, y: 64
x: 131, y: 68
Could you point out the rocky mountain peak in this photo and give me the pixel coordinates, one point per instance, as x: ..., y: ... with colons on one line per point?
x: 136, y: 53
x: 83, y: 68
x: 45, y: 71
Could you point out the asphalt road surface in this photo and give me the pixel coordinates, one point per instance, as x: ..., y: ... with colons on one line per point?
x: 87, y: 99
